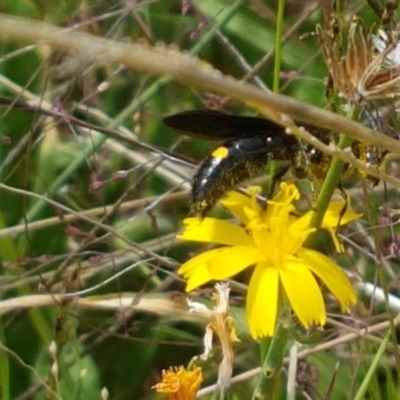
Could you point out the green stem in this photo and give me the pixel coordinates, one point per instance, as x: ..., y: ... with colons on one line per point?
x: 269, y: 380
x: 332, y: 179
x: 278, y: 45
x: 4, y: 368
x: 330, y: 184
x: 265, y: 344
x: 369, y: 375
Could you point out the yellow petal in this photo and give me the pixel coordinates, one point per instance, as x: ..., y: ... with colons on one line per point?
x: 196, y: 270
x: 331, y: 275
x: 232, y: 260
x: 262, y: 301
x: 302, y: 290
x: 212, y: 230
x: 180, y: 383
x: 236, y: 202
x: 333, y: 215
x: 300, y: 224
x: 338, y: 245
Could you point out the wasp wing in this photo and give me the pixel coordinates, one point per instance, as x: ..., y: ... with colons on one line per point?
x: 215, y: 125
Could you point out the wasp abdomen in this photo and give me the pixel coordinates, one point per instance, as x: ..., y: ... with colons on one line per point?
x: 236, y: 161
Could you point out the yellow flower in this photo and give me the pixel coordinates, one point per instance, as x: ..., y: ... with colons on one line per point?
x: 272, y: 239
x: 179, y: 383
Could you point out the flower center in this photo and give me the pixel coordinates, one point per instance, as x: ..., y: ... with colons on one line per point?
x: 274, y: 231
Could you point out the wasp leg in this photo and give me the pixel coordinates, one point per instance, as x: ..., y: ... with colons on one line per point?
x: 276, y: 178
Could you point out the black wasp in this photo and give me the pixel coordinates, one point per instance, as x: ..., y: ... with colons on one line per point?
x: 250, y: 143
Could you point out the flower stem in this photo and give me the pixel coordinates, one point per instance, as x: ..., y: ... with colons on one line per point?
x: 268, y: 382
x: 278, y: 45
x: 331, y: 182
x: 332, y: 178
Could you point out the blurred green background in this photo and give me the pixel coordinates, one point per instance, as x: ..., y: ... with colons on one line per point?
x: 128, y: 202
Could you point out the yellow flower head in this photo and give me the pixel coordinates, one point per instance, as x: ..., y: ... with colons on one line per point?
x: 272, y: 239
x: 179, y: 383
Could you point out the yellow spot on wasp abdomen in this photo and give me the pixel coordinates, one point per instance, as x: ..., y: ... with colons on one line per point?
x: 220, y: 152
